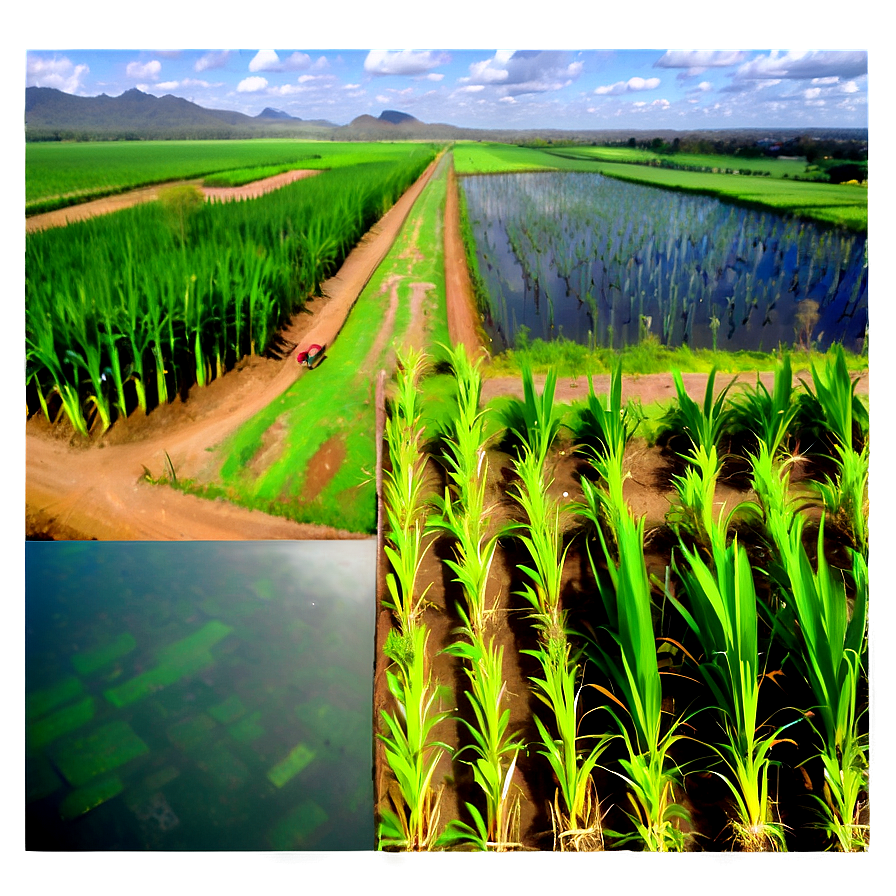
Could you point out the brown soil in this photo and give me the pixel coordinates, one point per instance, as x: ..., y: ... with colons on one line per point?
x: 463, y: 319
x: 323, y: 466
x: 83, y: 211
x: 99, y: 491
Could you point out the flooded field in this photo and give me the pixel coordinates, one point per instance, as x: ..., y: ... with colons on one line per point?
x: 199, y: 696
x: 605, y: 263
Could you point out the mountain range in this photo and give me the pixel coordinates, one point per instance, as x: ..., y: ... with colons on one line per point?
x: 51, y: 114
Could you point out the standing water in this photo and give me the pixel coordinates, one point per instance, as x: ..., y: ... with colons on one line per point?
x: 604, y: 263
x: 199, y: 696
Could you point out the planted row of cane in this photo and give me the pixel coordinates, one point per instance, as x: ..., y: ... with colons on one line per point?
x: 126, y: 311
x: 717, y: 604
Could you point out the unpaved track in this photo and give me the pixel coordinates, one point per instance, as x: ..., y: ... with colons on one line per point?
x: 99, y: 492
x: 461, y: 304
x: 648, y: 387
x: 85, y: 210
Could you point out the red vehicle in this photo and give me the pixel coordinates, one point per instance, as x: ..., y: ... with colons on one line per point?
x: 312, y: 355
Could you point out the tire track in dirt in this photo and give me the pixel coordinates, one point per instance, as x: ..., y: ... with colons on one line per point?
x: 122, y: 506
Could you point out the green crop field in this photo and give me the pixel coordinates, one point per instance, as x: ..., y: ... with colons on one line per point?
x: 87, y: 170
x: 125, y: 311
x: 845, y: 205
x: 783, y: 168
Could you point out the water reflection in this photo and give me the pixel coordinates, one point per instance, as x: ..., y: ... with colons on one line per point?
x: 199, y: 696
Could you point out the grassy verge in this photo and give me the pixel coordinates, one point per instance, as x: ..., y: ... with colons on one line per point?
x: 336, y: 400
x: 568, y: 358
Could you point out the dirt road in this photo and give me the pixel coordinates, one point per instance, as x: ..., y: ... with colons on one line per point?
x: 85, y: 210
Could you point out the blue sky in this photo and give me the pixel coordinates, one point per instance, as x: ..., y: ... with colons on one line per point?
x: 605, y: 88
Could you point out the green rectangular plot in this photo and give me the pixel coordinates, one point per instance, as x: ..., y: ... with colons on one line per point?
x: 293, y: 831
x: 158, y: 677
x: 37, y: 703
x: 82, y: 800
x: 285, y: 770
x: 88, y: 756
x: 228, y: 711
x: 86, y: 662
x: 44, y: 731
x: 247, y: 729
x: 177, y: 660
x: 198, y: 642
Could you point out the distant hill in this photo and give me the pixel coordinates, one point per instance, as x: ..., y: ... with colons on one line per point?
x: 52, y: 114
x: 398, y: 117
x: 268, y: 112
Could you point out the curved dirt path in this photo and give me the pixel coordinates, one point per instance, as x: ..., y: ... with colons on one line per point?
x: 84, y: 210
x: 99, y: 491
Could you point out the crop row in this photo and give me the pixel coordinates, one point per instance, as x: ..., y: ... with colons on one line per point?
x: 131, y: 309
x: 649, y: 685
x: 87, y: 169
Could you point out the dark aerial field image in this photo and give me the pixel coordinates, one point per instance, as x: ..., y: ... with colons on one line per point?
x: 447, y: 451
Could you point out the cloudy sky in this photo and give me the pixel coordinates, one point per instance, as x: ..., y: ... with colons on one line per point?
x: 630, y: 88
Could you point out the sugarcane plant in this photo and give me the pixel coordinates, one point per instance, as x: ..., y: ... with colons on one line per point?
x: 624, y: 649
x: 604, y: 429
x: 719, y: 605
x: 703, y: 424
x: 834, y: 399
x: 410, y: 820
x: 828, y: 641
x: 463, y: 516
x: 404, y: 486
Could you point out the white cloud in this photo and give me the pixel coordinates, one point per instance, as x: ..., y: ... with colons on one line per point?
x: 509, y: 100
x: 212, y: 60
x: 139, y: 71
x: 434, y: 76
x: 810, y: 93
x: 185, y: 83
x: 269, y: 61
x: 799, y: 64
x: 630, y: 86
x: 704, y: 86
x: 167, y: 85
x: 403, y: 62
x: 253, y: 84
x: 525, y: 71
x: 58, y: 72
x: 697, y: 61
